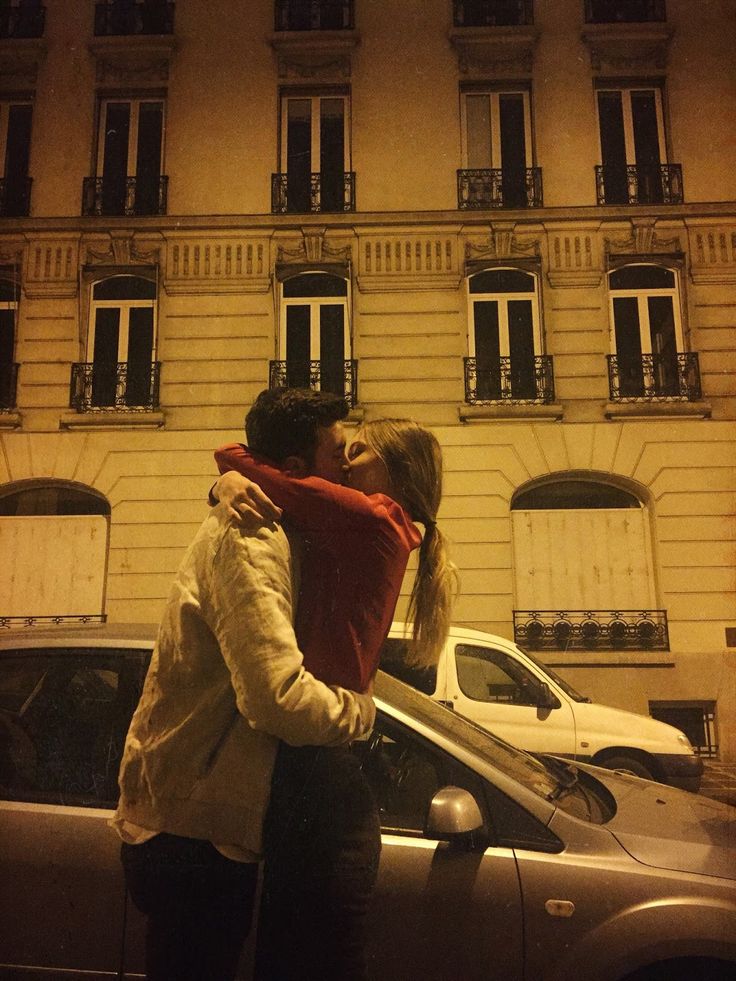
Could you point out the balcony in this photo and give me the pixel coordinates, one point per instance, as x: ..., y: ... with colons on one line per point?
x: 126, y: 17
x: 27, y: 20
x: 510, y: 381
x: 126, y: 196
x: 591, y: 630
x: 654, y: 378
x: 314, y: 15
x: 291, y: 194
x: 625, y: 11
x: 124, y: 386
x: 15, y: 197
x: 338, y: 377
x: 8, y: 386
x: 486, y: 189
x: 639, y: 184
x: 492, y: 13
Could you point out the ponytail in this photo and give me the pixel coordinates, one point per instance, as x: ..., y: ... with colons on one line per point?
x: 413, y: 459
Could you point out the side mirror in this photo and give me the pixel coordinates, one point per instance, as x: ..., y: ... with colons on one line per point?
x: 547, y: 700
x: 453, y: 812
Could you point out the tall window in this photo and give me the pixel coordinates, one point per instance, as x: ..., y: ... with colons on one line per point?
x: 315, y: 154
x: 624, y: 11
x: 22, y: 18
x: 8, y: 311
x: 505, y: 338
x: 314, y: 344
x: 497, y: 150
x: 121, y: 344
x: 313, y: 15
x: 633, y: 152
x: 15, y: 150
x: 129, y: 159
x: 120, y: 17
x: 647, y: 332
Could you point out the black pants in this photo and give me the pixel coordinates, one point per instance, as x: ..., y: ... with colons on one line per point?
x: 322, y: 842
x: 199, y: 906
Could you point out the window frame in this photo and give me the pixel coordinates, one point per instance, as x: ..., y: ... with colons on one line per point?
x: 642, y: 294
x: 627, y: 89
x: 134, y: 102
x: 124, y: 322
x: 315, y: 98
x: 503, y: 322
x: 493, y: 94
x: 314, y: 303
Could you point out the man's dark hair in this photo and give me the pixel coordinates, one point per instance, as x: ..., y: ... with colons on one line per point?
x: 285, y: 422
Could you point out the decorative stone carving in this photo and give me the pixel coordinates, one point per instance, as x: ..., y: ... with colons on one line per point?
x: 216, y: 264
x: 138, y: 60
x: 313, y: 248
x: 506, y: 52
x: 712, y: 252
x: 320, y: 55
x: 122, y: 250
x: 627, y: 48
x: 52, y: 267
x: 643, y: 240
x: 574, y: 256
x: 501, y: 243
x: 20, y: 59
x: 408, y: 260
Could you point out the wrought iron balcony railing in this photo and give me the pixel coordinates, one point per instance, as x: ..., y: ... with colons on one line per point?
x: 313, y: 192
x: 509, y: 380
x: 129, y: 196
x: 8, y: 385
x: 486, y: 188
x: 624, y: 11
x: 592, y: 630
x: 126, y: 17
x: 492, y: 13
x: 26, y: 20
x: 314, y: 15
x: 123, y: 386
x: 15, y: 197
x: 654, y: 378
x: 639, y: 184
x: 338, y: 377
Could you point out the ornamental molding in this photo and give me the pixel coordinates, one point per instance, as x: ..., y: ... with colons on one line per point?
x: 132, y: 60
x: 494, y: 51
x: 643, y: 240
x: 627, y: 48
x: 206, y: 264
x: 313, y: 248
x: 502, y: 243
x: 122, y: 250
x: 20, y: 59
x: 52, y: 267
x: 712, y: 251
x: 321, y: 55
x: 408, y: 260
x: 574, y: 256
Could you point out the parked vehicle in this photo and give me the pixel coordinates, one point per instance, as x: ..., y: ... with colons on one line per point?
x: 495, y: 864
x: 509, y: 692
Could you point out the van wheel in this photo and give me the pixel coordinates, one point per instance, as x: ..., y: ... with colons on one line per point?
x: 627, y: 764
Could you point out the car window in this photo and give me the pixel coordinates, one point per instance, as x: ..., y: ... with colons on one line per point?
x: 489, y: 675
x: 394, y: 662
x: 405, y: 771
x: 63, y: 721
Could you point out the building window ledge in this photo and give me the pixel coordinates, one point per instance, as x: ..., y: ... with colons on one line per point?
x: 650, y: 410
x: 112, y: 419
x: 138, y: 59
x: 550, y: 412
x: 20, y: 60
x: 314, y: 54
x: 9, y: 420
x: 503, y: 51
x: 627, y: 47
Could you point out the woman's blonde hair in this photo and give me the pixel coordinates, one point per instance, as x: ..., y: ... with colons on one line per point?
x: 413, y: 459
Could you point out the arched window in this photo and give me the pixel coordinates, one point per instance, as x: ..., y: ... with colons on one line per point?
x: 314, y: 341
x: 584, y: 567
x: 505, y: 342
x: 54, y: 541
x: 121, y: 347
x: 646, y: 343
x: 8, y: 313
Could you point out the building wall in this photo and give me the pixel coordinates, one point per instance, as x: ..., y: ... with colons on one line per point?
x: 216, y: 253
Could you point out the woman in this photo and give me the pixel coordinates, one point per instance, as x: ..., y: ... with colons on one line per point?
x: 322, y: 833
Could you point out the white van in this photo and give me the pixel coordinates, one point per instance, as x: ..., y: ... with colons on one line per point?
x: 510, y: 693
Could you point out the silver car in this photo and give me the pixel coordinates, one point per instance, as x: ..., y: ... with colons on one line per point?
x: 495, y: 864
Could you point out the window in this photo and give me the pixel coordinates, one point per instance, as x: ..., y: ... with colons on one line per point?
x: 314, y: 15
x: 488, y: 675
x: 624, y: 11
x: 505, y: 362
x: 696, y: 719
x: 22, y: 18
x: 15, y: 151
x: 497, y: 151
x: 64, y: 716
x: 121, y: 17
x: 129, y: 160
x: 633, y: 152
x: 8, y: 369
x: 315, y: 155
x: 492, y: 13
x: 647, y: 359
x: 121, y: 371
x: 314, y: 343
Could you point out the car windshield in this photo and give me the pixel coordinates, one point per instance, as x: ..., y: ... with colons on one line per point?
x: 465, y: 734
x: 564, y: 685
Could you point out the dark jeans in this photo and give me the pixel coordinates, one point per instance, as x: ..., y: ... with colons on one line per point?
x: 322, y: 841
x: 199, y: 906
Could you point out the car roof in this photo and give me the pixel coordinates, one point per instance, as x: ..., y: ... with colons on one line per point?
x: 96, y: 634
x: 399, y: 629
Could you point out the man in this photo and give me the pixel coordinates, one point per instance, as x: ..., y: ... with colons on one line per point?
x: 226, y: 682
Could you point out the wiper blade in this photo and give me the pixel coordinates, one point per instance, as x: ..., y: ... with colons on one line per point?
x: 566, y: 773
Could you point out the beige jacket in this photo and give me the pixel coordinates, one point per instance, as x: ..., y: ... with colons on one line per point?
x: 226, y: 682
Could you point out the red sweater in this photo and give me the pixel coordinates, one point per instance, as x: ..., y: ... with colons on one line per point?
x: 356, y: 548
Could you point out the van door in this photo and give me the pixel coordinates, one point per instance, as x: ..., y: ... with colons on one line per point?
x: 498, y: 692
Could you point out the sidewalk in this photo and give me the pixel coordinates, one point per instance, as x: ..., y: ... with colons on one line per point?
x: 719, y: 781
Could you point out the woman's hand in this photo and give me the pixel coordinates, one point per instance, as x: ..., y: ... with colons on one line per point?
x: 245, y: 502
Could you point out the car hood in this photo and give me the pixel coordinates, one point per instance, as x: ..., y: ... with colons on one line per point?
x: 645, y: 733
x: 671, y: 829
